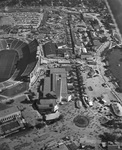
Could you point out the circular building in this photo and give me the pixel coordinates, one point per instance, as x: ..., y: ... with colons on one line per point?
x: 117, y: 109
x: 17, y: 61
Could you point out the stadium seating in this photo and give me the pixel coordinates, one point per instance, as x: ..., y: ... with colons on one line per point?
x: 15, y: 74
x: 4, y: 44
x: 13, y: 44
x: 33, y: 46
x: 1, y: 47
x: 18, y: 44
x: 17, y: 65
x: 28, y: 69
x: 19, y: 47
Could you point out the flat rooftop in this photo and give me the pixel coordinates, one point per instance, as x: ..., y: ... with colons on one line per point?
x: 57, y: 70
x: 8, y: 111
x: 47, y: 102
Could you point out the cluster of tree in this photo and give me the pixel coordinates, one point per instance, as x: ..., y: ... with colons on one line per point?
x: 110, y: 137
x: 67, y: 3
x: 5, y: 28
x: 96, y: 4
x: 106, y: 137
x: 12, y: 3
x: 107, y: 73
x: 118, y: 89
x: 4, y: 3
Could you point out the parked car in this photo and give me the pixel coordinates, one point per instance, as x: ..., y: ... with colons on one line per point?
x: 90, y: 103
x: 10, y: 101
x: 102, y: 101
x: 94, y: 99
x: 97, y: 71
x: 104, y: 85
x: 96, y: 75
x: 90, y: 88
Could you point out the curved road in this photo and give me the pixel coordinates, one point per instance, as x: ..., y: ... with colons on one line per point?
x: 98, y: 58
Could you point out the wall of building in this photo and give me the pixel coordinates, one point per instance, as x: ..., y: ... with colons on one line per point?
x: 10, y: 116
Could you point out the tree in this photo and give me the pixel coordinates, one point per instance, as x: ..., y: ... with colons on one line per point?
x: 119, y: 90
x: 108, y: 137
x: 119, y: 139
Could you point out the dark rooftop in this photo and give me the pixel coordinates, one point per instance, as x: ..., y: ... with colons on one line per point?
x: 10, y: 126
x: 114, y: 147
x: 50, y: 49
x: 47, y: 102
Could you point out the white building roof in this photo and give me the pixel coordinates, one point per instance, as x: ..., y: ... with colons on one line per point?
x: 53, y: 116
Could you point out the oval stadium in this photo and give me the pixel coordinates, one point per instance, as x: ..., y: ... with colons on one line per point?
x: 17, y: 61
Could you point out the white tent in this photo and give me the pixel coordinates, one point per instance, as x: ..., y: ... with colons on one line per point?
x: 53, y: 116
x: 69, y: 98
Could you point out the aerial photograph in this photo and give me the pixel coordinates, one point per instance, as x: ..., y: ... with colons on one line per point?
x: 61, y: 87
